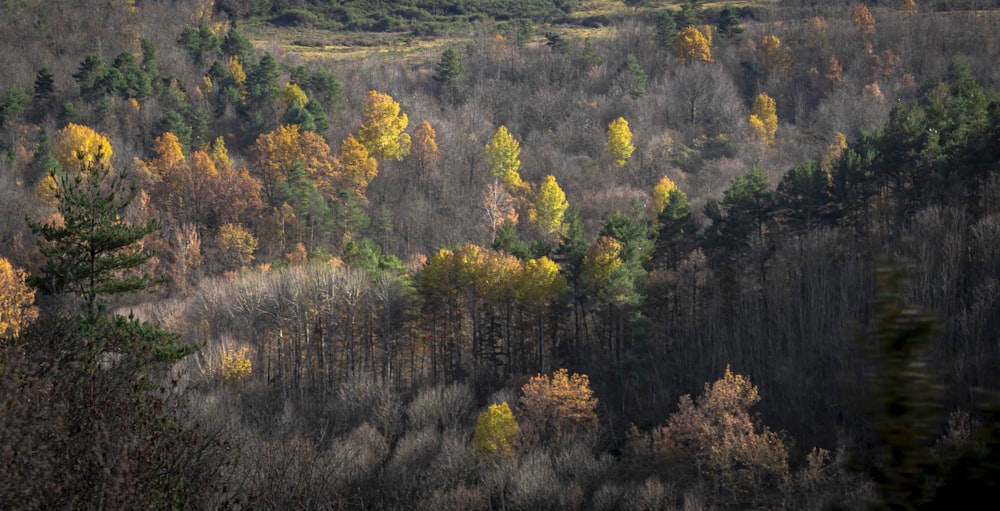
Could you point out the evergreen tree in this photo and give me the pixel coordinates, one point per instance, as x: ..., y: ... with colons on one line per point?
x: 94, y: 251
x: 730, y: 23
x: 666, y: 30
x: 449, y: 74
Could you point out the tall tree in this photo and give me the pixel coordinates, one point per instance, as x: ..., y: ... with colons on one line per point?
x: 382, y: 126
x: 425, y: 149
x: 620, y: 141
x: 692, y: 45
x: 548, y: 209
x: 93, y: 251
x: 449, y: 75
x: 16, y: 299
x: 763, y: 119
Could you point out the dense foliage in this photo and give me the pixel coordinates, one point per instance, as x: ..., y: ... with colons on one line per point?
x: 493, y: 275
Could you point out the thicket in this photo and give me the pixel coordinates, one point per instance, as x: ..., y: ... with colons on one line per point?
x: 385, y: 266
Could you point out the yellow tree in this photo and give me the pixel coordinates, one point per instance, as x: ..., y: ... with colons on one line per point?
x: 620, y: 141
x: 78, y: 146
x: 353, y: 168
x: 763, y: 119
x: 382, y: 126
x: 600, y: 260
x: 239, y: 75
x: 774, y: 58
x: 549, y: 208
x: 556, y: 407
x: 293, y: 95
x: 661, y: 195
x: 496, y: 432
x: 691, y: 44
x: 502, y: 156
x: 425, y: 148
x: 833, y: 153
x: 239, y: 243
x: 16, y: 299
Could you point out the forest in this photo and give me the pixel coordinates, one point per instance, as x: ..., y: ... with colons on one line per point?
x: 471, y: 255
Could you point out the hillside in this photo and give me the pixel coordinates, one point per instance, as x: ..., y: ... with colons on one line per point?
x: 498, y: 255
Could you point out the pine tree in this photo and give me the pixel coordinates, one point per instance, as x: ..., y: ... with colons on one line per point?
x: 449, y: 74
x: 93, y: 252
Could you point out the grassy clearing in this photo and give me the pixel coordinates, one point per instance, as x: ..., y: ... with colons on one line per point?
x: 587, y: 20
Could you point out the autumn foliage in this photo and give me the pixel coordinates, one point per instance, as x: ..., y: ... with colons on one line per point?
x: 496, y: 431
x: 692, y: 44
x: 382, y: 126
x: 558, y: 407
x: 620, y: 141
x: 16, y: 299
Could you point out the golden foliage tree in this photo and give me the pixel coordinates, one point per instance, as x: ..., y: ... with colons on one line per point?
x: 554, y: 408
x: 382, y: 128
x: 863, y: 19
x: 78, y: 146
x: 549, y: 209
x: 692, y: 44
x: 239, y: 75
x: 600, y: 260
x: 833, y: 153
x: 16, y: 299
x: 540, y: 284
x: 661, y: 194
x: 236, y: 364
x: 717, y: 437
x: 425, y: 148
x: 496, y: 432
x: 293, y: 95
x: 239, y: 243
x: 354, y: 168
x: 774, y: 58
x: 620, y: 141
x: 279, y: 151
x: 763, y: 119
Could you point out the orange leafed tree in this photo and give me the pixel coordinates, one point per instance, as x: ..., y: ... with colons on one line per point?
x: 558, y: 407
x: 692, y: 45
x: 382, y: 126
x: 279, y: 151
x: 16, y: 299
x: 775, y: 58
x: 425, y: 148
x: 863, y: 19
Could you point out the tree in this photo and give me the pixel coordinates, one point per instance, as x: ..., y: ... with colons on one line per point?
x: 382, y: 126
x: 502, y: 156
x: 637, y: 76
x: 279, y: 151
x: 620, y: 141
x: 496, y: 432
x: 599, y: 261
x: 449, y: 74
x: 263, y: 81
x: 666, y: 29
x: 548, y: 209
x: 863, y: 20
x: 16, y: 299
x: 558, y: 407
x: 717, y: 437
x: 93, y: 251
x: 44, y: 90
x: 294, y: 96
x: 775, y: 60
x: 78, y: 147
x: 763, y: 119
x: 692, y: 44
x: 239, y: 243
x: 354, y: 168
x: 730, y: 23
x: 425, y: 149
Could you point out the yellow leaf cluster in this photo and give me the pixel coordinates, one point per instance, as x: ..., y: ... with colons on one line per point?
x: 239, y: 243
x: 600, y: 260
x: 540, y: 283
x: 692, y: 44
x: 763, y: 119
x: 496, y: 431
x: 661, y: 194
x: 620, y: 141
x: 293, y: 95
x: 236, y: 364
x: 559, y: 404
x: 16, y: 299
x: 353, y: 167
x: 550, y: 207
x: 382, y: 126
x: 78, y: 146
